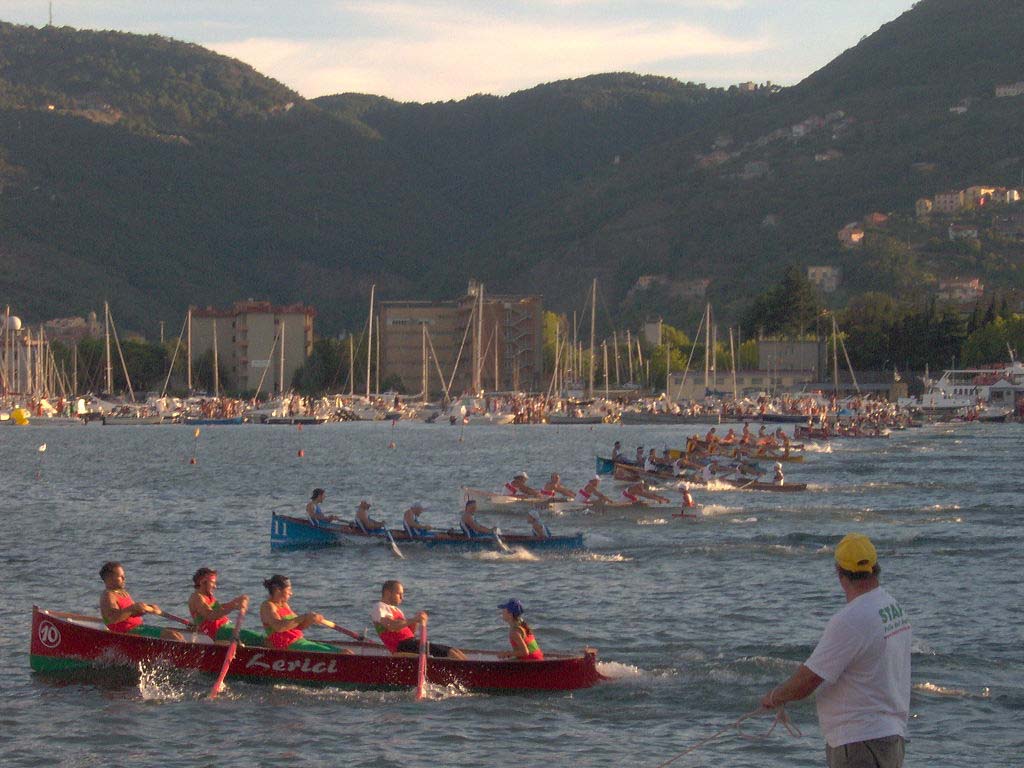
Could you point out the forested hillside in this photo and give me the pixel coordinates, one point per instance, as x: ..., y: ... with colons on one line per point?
x: 157, y: 174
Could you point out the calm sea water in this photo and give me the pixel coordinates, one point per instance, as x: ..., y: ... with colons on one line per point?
x: 694, y: 619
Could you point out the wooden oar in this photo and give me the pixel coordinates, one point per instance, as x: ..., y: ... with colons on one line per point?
x: 229, y: 656
x: 391, y: 540
x: 178, y: 619
x: 421, y: 675
x: 355, y: 635
x: 501, y: 544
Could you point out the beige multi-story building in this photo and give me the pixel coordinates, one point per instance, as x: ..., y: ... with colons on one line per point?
x: 500, y: 349
x: 259, y: 345
x: 949, y: 202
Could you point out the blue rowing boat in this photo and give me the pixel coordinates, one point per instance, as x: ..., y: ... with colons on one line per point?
x: 287, y: 532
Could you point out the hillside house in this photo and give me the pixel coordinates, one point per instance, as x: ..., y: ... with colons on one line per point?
x: 962, y: 232
x: 677, y: 289
x: 923, y: 208
x: 961, y: 290
x: 1010, y: 226
x: 978, y: 195
x: 876, y: 219
x: 851, y: 235
x: 712, y: 159
x: 747, y: 87
x: 1010, y: 90
x: 949, y: 202
x: 827, y: 155
x: 825, y: 279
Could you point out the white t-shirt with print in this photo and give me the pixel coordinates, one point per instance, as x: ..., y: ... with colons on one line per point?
x: 864, y: 659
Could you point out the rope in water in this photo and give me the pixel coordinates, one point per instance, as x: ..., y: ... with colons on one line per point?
x: 780, y: 717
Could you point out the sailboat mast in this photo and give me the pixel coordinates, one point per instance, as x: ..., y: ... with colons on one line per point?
x: 593, y: 307
x: 615, y: 350
x: 216, y: 362
x: 835, y: 358
x: 369, y: 342
x: 714, y: 361
x: 351, y: 366
x: 280, y: 367
x: 732, y: 355
x: 106, y: 327
x: 629, y: 352
x: 707, y: 344
x: 604, y: 346
x: 426, y: 369
x: 497, y: 381
x: 188, y: 322
x: 377, y: 372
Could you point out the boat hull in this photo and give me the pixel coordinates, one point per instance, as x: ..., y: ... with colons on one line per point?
x: 287, y: 532
x: 69, y: 644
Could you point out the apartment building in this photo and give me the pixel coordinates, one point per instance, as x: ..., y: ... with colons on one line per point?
x: 259, y: 345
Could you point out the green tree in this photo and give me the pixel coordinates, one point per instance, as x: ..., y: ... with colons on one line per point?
x: 325, y: 370
x: 788, y: 308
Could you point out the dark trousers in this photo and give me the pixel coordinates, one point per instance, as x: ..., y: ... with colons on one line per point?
x: 886, y: 752
x: 412, y: 645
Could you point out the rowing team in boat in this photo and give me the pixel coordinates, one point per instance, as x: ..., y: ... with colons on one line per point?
x: 415, y: 527
x: 285, y: 629
x: 553, y: 490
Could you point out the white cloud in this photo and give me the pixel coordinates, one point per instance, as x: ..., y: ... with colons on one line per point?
x: 429, y: 53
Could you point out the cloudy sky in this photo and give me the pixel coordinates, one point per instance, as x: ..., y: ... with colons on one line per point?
x: 432, y: 50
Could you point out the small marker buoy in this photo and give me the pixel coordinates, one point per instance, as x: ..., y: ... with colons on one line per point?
x: 391, y: 444
x: 192, y: 460
x: 301, y: 453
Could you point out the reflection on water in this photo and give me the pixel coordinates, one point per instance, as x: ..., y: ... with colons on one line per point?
x: 693, y: 618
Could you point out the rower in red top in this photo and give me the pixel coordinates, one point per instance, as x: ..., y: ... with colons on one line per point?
x: 122, y: 614
x: 520, y: 636
x: 554, y: 485
x: 209, y: 615
x: 396, y: 631
x: 284, y: 627
x: 636, y: 492
x: 518, y: 486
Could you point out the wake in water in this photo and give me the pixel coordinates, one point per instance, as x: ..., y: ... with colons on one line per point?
x: 717, y: 510
x: 618, y: 672
x: 817, y: 447
x: 597, y: 557
x: 941, y: 690
x: 518, y: 554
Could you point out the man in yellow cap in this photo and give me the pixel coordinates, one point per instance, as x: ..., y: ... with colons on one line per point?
x: 860, y: 668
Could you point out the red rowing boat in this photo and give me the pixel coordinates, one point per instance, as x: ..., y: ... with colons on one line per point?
x: 68, y: 643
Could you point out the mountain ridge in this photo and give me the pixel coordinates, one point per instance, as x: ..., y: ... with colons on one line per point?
x: 206, y: 182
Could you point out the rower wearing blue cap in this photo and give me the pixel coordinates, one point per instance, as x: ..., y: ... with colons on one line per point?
x: 520, y: 636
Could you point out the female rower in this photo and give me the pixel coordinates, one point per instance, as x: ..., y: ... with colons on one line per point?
x: 520, y: 636
x: 210, y: 616
x: 316, y: 514
x: 284, y: 627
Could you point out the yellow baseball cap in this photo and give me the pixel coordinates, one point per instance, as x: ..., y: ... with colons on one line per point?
x: 856, y: 553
